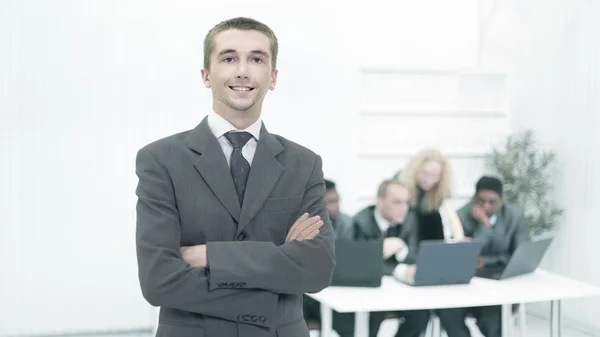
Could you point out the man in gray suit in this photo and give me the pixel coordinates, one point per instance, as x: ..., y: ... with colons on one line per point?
x: 341, y: 222
x: 344, y: 230
x: 232, y: 228
x: 502, y: 227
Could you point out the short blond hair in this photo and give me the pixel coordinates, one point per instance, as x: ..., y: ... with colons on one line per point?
x: 434, y: 198
x: 384, y: 187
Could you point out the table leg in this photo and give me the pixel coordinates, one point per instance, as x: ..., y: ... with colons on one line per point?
x: 361, y: 324
x: 555, y: 319
x: 326, y: 321
x: 506, y: 319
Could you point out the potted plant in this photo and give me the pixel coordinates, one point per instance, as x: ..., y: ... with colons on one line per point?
x: 524, y: 171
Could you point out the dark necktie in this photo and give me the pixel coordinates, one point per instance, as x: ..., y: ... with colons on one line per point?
x: 239, y: 166
x: 393, y: 231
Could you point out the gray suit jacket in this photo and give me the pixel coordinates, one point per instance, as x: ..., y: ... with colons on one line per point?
x: 253, y: 283
x: 501, y: 239
x: 343, y: 226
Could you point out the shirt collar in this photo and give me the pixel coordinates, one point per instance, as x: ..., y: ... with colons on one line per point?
x: 220, y: 126
x: 381, y: 222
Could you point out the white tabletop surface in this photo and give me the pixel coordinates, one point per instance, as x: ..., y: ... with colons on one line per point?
x: 539, y: 286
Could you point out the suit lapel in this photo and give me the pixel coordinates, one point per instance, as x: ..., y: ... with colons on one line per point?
x: 264, y: 174
x: 212, y: 166
x: 500, y: 226
x: 374, y: 227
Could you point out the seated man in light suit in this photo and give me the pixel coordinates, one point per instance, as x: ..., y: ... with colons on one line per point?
x: 502, y: 228
x: 386, y: 220
x: 344, y: 230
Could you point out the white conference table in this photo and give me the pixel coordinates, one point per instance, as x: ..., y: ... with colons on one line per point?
x: 540, y: 286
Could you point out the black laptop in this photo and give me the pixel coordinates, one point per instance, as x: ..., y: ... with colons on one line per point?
x: 358, y: 263
x: 445, y: 263
x: 526, y: 259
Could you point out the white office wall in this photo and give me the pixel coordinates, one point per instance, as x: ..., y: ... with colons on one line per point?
x: 550, y: 49
x: 84, y: 84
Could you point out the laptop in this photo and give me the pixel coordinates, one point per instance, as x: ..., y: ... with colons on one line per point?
x: 358, y: 263
x: 526, y: 259
x: 443, y: 263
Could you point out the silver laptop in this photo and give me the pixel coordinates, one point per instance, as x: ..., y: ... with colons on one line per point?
x: 526, y: 259
x: 443, y: 263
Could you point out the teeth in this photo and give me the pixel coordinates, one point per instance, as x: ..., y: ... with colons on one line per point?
x: 240, y: 88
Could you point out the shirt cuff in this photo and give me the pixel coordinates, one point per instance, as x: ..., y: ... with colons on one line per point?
x: 401, y: 255
x: 400, y: 271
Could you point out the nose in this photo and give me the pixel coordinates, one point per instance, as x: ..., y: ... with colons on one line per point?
x: 242, y: 70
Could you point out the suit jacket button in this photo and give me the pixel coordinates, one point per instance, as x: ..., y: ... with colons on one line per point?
x: 241, y: 236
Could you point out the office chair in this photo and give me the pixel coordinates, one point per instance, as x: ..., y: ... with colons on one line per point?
x: 519, y: 322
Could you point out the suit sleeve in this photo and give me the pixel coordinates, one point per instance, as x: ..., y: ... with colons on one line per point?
x: 410, y: 235
x: 166, y: 279
x: 347, y: 228
x: 295, y: 267
x: 520, y: 235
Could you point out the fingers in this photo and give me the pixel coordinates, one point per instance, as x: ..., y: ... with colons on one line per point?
x: 303, y: 227
x: 310, y: 229
x: 312, y: 235
x: 295, y: 225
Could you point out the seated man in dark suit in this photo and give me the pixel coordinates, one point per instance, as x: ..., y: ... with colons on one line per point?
x: 341, y: 222
x: 344, y: 230
x: 385, y: 220
x: 502, y: 228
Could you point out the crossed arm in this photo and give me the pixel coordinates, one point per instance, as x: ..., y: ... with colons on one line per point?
x: 167, y: 280
x: 305, y: 228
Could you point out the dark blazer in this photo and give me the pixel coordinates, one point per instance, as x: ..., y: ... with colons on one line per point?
x: 343, y: 227
x: 366, y: 228
x: 501, y: 239
x: 254, y: 282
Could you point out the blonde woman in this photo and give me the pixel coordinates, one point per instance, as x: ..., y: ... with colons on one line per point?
x: 428, y: 176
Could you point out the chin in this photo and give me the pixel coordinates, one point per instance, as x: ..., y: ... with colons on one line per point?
x: 241, y: 106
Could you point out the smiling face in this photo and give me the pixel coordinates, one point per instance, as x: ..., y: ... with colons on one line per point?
x: 240, y: 72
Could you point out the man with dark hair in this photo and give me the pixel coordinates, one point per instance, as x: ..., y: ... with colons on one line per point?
x: 385, y: 221
x: 501, y: 227
x: 232, y: 228
x: 344, y: 230
x: 342, y: 223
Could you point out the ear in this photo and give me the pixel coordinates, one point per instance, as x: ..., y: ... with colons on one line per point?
x: 273, y: 79
x: 205, y: 77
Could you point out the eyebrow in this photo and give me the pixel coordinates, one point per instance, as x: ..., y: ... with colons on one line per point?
x: 228, y: 51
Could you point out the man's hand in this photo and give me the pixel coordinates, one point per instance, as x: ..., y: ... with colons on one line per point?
x: 480, y: 263
x: 411, y: 270
x: 194, y: 255
x: 392, y: 246
x: 479, y: 215
x: 305, y: 228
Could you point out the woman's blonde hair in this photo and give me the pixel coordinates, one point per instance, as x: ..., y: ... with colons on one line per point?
x: 441, y: 191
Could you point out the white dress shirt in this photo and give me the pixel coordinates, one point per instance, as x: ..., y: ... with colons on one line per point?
x: 493, y: 219
x: 220, y: 126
